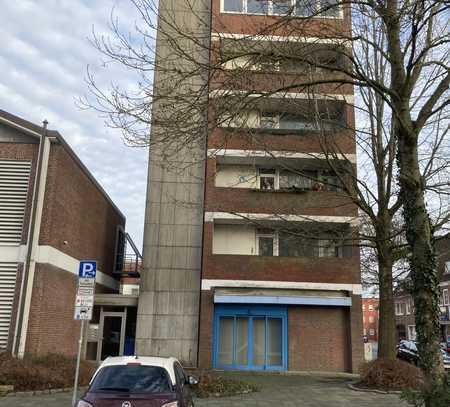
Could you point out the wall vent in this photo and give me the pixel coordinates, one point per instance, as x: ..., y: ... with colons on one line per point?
x: 8, y: 276
x: 14, y: 181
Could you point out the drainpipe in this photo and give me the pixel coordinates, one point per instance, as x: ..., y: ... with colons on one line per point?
x: 34, y: 227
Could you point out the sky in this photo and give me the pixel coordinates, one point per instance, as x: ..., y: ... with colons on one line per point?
x: 45, y: 51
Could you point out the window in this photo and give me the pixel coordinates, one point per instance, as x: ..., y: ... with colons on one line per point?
x: 328, y: 8
x: 282, y: 7
x: 370, y: 307
x: 266, y: 242
x: 364, y: 307
x: 302, y: 180
x: 132, y: 378
x: 267, y: 179
x: 364, y: 331
x: 330, y: 248
x: 412, y: 332
x: 371, y: 320
x: 269, y: 120
x: 258, y: 6
x: 408, y: 307
x: 291, y: 245
x: 399, y: 308
x: 371, y: 332
x: 233, y: 5
x: 250, y: 337
x: 447, y: 267
x: 300, y: 8
x: 445, y: 297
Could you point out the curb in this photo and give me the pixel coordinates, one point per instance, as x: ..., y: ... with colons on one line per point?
x: 352, y: 386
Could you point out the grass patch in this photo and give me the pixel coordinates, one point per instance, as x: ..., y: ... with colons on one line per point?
x: 212, y: 385
x: 42, y: 373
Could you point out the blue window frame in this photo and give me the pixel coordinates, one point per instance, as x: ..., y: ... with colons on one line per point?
x: 250, y: 337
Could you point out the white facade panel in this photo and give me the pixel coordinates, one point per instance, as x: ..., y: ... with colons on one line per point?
x: 234, y: 239
x: 236, y: 176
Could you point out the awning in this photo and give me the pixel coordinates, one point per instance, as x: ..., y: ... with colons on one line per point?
x: 222, y: 298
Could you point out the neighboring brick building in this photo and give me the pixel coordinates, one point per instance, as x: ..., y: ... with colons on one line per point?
x: 404, y: 303
x: 50, y: 218
x: 226, y: 282
x: 370, y: 318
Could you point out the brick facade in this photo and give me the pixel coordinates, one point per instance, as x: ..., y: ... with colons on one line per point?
x: 78, y: 220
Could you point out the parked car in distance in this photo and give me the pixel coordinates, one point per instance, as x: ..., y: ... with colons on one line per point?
x: 407, y: 351
x: 132, y: 381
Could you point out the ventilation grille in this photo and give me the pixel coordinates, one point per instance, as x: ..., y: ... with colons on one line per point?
x: 8, y: 274
x: 14, y: 180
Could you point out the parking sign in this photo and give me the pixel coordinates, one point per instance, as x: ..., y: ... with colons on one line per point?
x: 88, y: 269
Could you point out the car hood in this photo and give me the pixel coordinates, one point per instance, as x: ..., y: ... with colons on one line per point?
x: 102, y: 399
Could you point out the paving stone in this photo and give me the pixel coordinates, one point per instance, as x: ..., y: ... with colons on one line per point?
x: 275, y: 391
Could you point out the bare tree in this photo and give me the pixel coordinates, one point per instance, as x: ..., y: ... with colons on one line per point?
x: 396, y: 57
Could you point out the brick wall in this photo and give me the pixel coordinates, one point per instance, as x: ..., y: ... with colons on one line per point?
x: 319, y: 339
x: 52, y: 328
x: 236, y: 23
x: 77, y: 212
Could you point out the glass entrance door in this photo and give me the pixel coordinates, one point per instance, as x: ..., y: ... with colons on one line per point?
x: 252, y: 342
x: 112, y: 335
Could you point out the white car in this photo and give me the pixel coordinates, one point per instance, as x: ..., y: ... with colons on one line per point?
x: 135, y: 381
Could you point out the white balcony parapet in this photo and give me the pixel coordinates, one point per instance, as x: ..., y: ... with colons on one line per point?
x: 217, y: 93
x: 213, y: 216
x: 217, y: 36
x: 208, y: 284
x: 222, y: 152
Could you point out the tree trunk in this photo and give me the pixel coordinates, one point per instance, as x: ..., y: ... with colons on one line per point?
x: 386, y: 327
x: 423, y: 259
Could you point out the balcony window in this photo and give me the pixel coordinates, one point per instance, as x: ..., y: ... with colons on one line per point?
x: 329, y: 8
x: 266, y: 242
x: 267, y: 179
x: 276, y: 179
x: 233, y: 5
x: 282, y: 7
x: 304, y: 8
x: 299, y: 8
x: 330, y: 248
x: 258, y: 6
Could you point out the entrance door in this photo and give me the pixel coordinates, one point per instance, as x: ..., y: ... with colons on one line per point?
x: 112, y: 334
x: 250, y: 342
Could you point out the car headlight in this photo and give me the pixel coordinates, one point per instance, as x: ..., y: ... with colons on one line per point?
x: 172, y: 404
x: 83, y: 403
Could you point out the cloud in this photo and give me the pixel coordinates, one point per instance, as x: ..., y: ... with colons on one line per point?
x: 45, y: 52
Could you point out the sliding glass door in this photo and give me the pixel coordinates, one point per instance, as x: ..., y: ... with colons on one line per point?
x: 252, y: 342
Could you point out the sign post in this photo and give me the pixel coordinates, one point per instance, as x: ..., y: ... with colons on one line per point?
x: 84, y: 303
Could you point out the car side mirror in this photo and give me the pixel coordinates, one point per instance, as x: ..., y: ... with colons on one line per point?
x: 191, y: 380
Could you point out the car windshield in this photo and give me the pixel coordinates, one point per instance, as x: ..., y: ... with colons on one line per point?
x: 132, y: 378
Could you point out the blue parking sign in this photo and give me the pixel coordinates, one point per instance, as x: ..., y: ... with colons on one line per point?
x: 88, y: 269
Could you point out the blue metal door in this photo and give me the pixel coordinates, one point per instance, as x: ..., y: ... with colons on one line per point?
x: 250, y: 338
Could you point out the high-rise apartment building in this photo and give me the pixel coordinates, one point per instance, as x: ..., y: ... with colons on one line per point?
x: 249, y: 261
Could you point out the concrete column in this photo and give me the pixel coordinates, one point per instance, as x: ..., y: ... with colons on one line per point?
x: 168, y: 311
